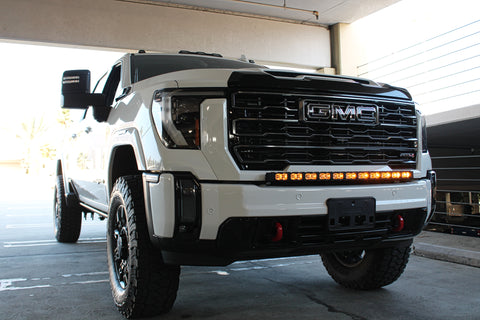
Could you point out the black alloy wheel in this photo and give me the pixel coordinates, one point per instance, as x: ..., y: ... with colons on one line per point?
x: 120, y: 246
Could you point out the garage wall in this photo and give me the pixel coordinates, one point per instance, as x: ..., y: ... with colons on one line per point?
x: 132, y: 25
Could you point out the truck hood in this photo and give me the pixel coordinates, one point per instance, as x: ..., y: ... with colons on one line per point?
x: 305, y: 83
x: 276, y: 80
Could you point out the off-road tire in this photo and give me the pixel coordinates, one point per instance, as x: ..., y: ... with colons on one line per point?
x: 142, y: 285
x: 67, y: 218
x: 369, y: 269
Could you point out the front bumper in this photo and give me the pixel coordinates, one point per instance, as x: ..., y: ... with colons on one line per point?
x: 235, y: 220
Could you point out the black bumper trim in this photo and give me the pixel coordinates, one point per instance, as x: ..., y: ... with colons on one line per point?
x: 251, y: 238
x: 206, y: 253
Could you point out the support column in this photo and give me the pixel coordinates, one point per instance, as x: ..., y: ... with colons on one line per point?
x: 346, y: 53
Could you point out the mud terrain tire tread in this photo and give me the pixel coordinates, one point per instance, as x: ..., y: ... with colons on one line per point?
x: 67, y: 217
x: 378, y: 268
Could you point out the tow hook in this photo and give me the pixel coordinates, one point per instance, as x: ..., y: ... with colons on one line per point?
x: 398, y: 223
x: 278, y: 232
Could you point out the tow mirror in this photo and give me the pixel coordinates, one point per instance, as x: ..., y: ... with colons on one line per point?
x: 76, y: 91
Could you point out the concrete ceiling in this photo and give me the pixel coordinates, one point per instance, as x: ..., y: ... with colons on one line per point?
x: 318, y: 12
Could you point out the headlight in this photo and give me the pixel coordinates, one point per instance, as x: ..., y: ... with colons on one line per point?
x: 184, y: 114
x: 179, y: 126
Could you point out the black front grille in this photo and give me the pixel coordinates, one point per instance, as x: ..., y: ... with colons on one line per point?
x: 270, y: 131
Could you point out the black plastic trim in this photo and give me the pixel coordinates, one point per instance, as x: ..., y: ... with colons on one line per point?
x: 187, y: 230
x: 250, y: 238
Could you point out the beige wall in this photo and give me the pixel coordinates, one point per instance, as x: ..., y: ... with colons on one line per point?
x: 127, y: 25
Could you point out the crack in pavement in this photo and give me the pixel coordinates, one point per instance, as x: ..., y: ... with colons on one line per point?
x: 312, y: 298
x: 332, y: 308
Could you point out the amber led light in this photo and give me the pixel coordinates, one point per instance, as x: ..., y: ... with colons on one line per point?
x: 324, y: 176
x: 338, y: 176
x: 396, y: 175
x: 386, y: 175
x: 351, y: 176
x: 296, y: 176
x: 375, y: 175
x: 406, y: 175
x: 382, y: 176
x: 363, y: 175
x: 311, y: 176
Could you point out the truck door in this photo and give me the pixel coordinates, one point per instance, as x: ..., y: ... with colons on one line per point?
x: 88, y: 148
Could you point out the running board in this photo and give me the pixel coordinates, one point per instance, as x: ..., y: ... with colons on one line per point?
x: 100, y: 213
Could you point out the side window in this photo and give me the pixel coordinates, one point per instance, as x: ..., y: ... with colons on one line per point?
x: 112, y: 87
x: 101, y: 83
x: 119, y: 92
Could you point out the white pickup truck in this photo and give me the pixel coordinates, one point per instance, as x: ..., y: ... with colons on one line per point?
x: 199, y: 160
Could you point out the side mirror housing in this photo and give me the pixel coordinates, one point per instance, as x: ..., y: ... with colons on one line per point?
x: 76, y: 91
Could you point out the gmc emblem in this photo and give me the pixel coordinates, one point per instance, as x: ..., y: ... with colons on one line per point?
x: 337, y: 112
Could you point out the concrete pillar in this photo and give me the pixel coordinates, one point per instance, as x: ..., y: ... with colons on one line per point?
x: 346, y: 52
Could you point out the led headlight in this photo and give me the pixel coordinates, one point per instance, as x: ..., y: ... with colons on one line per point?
x: 177, y: 116
x: 181, y: 121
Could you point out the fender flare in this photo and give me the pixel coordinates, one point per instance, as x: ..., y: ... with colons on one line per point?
x: 120, y: 138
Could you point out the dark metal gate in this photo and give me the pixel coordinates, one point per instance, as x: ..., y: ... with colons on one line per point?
x: 455, y: 150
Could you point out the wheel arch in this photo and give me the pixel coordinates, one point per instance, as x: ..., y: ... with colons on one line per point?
x: 126, y: 155
x: 123, y: 162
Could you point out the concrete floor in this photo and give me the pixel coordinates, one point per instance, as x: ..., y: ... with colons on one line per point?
x: 43, y: 279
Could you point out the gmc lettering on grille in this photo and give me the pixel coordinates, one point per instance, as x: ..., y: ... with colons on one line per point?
x: 336, y: 112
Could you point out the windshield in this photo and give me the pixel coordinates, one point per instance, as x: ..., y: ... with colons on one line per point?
x: 147, y: 66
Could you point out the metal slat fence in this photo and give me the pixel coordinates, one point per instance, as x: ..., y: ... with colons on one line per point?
x: 457, y: 212
x: 440, y: 72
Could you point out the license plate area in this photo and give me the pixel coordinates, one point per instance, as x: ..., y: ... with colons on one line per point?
x: 351, y: 213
